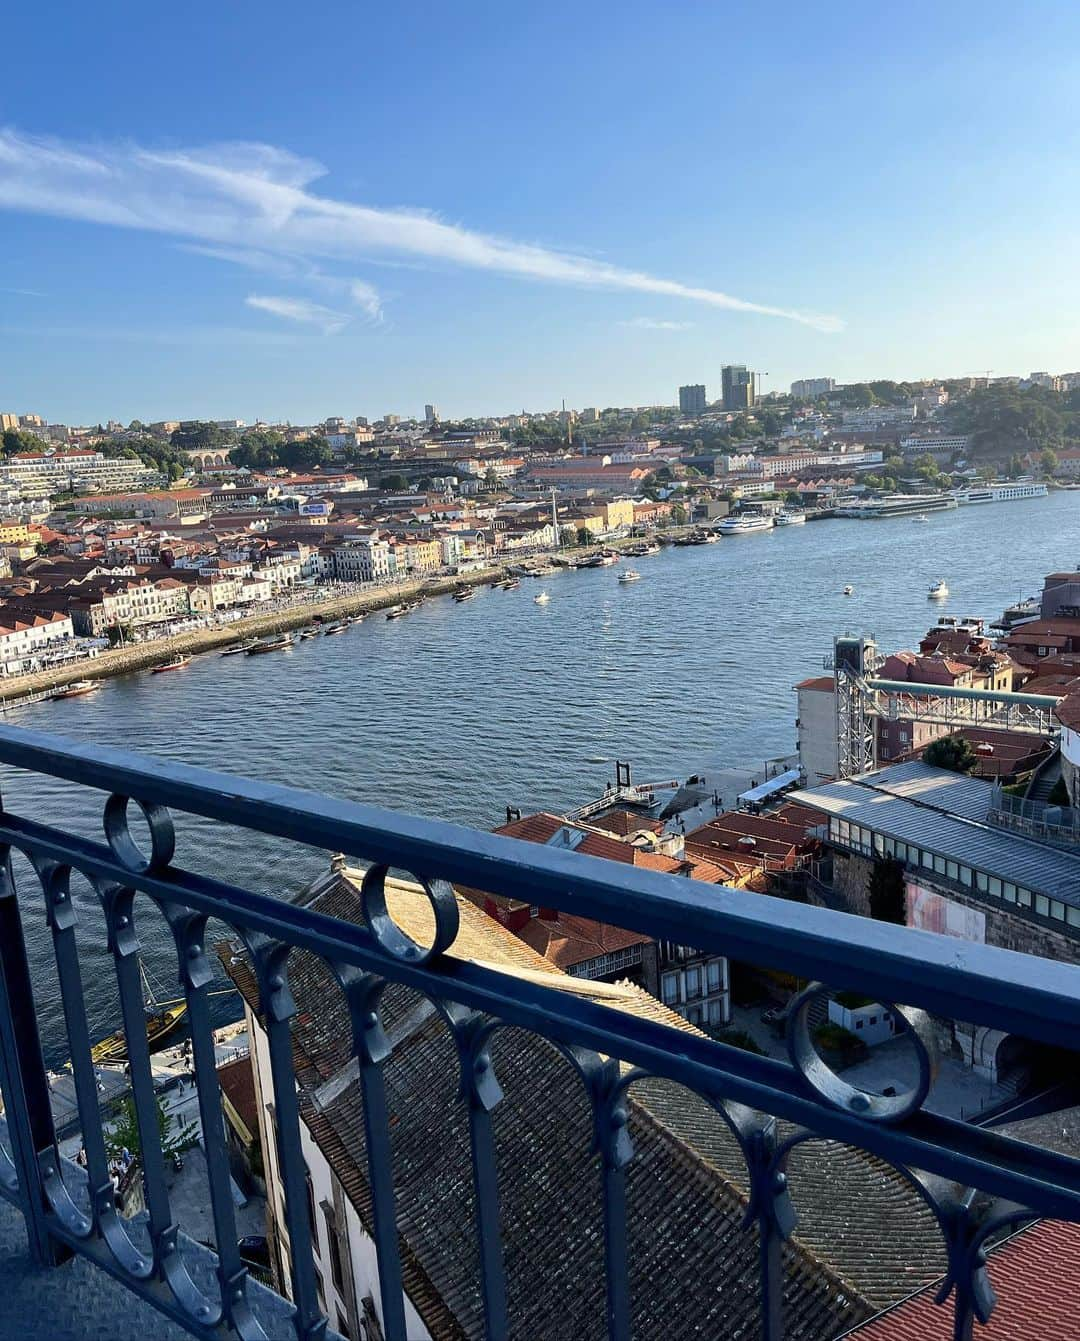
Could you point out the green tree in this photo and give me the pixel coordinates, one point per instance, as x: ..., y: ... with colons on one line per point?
x: 18, y: 440
x: 123, y: 1134
x: 394, y: 483
x: 1049, y: 461
x: 951, y: 752
x: 584, y: 536
x: 678, y: 514
x: 305, y: 454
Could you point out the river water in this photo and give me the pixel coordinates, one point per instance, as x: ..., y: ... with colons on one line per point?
x: 457, y: 711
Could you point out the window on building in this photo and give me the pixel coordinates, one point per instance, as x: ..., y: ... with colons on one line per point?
x: 1042, y: 905
x: 716, y: 1012
x: 995, y: 887
x: 670, y: 986
x: 1057, y: 910
x: 1024, y: 898
x: 693, y: 982
x: 337, y: 1275
x: 859, y: 1024
x: 1008, y: 891
x: 693, y: 1014
x: 981, y: 881
x: 312, y: 1225
x: 714, y: 975
x: 952, y: 870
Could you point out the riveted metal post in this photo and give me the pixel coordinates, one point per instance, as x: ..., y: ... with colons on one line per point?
x: 29, y: 1113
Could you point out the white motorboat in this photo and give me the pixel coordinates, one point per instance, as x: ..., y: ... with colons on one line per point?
x: 542, y: 599
x: 748, y: 524
x: 922, y: 520
x: 938, y: 590
x: 790, y: 518
x: 631, y: 575
x: 849, y: 590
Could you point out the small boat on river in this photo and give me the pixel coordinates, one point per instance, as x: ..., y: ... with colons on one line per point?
x: 238, y: 649
x: 276, y: 644
x: 75, y: 690
x: 177, y: 663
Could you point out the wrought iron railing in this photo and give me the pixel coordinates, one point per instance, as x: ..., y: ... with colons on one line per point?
x: 942, y: 1159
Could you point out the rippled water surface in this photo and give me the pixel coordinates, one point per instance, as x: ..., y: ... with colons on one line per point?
x: 457, y: 711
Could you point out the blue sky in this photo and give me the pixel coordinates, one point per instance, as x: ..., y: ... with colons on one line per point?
x: 283, y: 211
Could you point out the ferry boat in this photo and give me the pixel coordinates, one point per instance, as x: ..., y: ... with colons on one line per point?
x: 748, y: 524
x: 238, y: 649
x: 1022, y: 612
x: 938, y: 590
x: 642, y: 551
x: 894, y: 505
x: 331, y: 629
x: 465, y: 594
x: 1004, y: 491
x: 277, y: 644
x: 631, y: 575
x: 177, y: 663
x: 75, y: 690
x: 790, y: 519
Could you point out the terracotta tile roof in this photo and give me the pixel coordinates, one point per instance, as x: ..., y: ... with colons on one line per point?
x: 824, y: 683
x: 237, y: 1081
x: 566, y: 940
x: 1036, y: 1277
x: 626, y: 822
x: 1068, y: 712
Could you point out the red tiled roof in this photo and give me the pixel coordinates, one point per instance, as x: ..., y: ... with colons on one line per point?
x: 1068, y: 712
x: 625, y: 822
x: 1036, y: 1277
x: 824, y: 683
x: 567, y: 940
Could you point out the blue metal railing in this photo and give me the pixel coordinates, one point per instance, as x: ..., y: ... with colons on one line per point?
x: 941, y: 1158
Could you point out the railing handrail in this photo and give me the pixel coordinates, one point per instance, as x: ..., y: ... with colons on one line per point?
x: 980, y: 983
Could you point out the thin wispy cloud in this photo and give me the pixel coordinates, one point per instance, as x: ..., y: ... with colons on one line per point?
x: 258, y: 197
x: 23, y: 293
x: 652, y: 324
x: 364, y: 295
x: 301, y: 310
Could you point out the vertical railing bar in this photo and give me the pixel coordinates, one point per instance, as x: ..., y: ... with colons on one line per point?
x: 615, y: 1252
x: 22, y: 1064
x: 771, y: 1264
x: 486, y: 1185
x: 309, y: 1320
x: 381, y: 1181
x: 133, y: 1015
x: 69, y: 973
x: 232, y: 1274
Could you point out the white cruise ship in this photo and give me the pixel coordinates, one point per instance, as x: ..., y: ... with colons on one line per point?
x: 1003, y: 492
x: 894, y: 505
x: 747, y: 524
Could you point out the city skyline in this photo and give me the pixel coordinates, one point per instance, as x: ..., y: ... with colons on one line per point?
x: 264, y: 246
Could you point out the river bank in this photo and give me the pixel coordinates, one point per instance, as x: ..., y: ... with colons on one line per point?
x: 144, y: 656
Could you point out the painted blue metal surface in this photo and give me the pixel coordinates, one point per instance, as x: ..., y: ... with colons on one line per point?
x: 942, y: 1158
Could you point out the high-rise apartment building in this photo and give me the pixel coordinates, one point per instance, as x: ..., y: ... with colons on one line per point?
x: 431, y: 414
x: 692, y: 399
x: 8, y: 421
x: 809, y: 388
x: 738, y: 383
